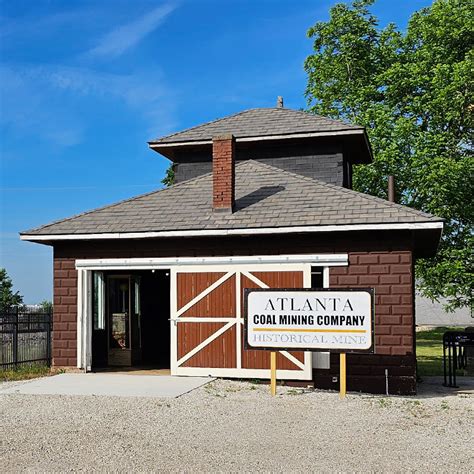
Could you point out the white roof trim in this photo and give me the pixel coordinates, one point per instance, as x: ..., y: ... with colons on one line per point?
x: 333, y: 260
x: 260, y: 138
x: 226, y: 232
x: 167, y: 145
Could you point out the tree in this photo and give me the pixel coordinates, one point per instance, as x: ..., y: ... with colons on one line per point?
x: 46, y: 306
x: 168, y: 180
x: 8, y: 298
x: 413, y: 91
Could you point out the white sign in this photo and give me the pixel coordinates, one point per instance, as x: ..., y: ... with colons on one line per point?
x: 310, y: 320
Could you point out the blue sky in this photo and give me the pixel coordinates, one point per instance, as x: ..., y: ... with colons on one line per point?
x: 84, y: 85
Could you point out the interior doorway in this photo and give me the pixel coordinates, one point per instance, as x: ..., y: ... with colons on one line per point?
x: 131, y: 327
x: 156, y: 319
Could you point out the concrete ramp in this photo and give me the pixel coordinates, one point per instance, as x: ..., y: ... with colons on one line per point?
x: 120, y: 385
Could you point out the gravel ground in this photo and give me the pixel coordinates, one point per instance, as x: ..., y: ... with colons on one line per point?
x: 236, y: 426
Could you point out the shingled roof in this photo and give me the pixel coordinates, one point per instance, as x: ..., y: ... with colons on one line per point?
x: 266, y: 197
x: 262, y: 122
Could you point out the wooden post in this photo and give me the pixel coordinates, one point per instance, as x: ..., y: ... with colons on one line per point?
x: 391, y: 188
x: 273, y: 370
x: 342, y: 376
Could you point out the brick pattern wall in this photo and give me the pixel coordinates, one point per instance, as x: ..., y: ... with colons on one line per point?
x: 366, y: 373
x: 223, y: 170
x: 327, y: 168
x: 390, y: 273
x: 185, y: 171
x: 381, y: 260
x: 325, y: 159
x: 64, y: 345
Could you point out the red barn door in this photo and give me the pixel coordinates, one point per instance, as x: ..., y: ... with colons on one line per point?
x: 207, y: 321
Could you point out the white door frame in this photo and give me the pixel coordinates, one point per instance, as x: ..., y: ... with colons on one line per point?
x: 260, y: 262
x: 84, y: 319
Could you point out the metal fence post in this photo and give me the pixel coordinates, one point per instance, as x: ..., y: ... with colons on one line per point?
x: 15, y: 338
x: 444, y: 359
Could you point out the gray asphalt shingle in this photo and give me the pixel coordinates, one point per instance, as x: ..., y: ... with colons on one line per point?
x: 260, y: 122
x: 265, y: 197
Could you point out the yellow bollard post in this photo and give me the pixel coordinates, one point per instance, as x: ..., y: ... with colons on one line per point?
x: 342, y: 376
x: 273, y: 370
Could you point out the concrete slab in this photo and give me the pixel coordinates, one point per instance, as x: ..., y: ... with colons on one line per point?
x: 434, y: 386
x: 110, y: 384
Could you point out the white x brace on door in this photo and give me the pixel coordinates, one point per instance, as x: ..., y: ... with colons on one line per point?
x: 207, y: 320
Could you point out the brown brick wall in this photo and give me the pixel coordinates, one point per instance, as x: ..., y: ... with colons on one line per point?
x: 65, y: 313
x: 223, y: 172
x: 382, y: 261
x: 366, y: 373
x: 390, y: 273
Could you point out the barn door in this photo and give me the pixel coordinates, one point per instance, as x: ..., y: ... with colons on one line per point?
x: 207, y: 321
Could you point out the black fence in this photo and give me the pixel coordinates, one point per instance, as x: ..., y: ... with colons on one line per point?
x: 25, y: 338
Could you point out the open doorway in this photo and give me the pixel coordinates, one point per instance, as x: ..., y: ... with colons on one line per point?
x: 131, y: 326
x: 155, y: 319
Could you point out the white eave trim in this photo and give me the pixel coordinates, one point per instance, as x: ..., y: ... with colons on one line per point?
x: 356, y: 131
x: 333, y: 260
x: 229, y: 232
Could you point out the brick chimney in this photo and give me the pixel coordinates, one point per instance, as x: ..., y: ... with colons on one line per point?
x: 223, y: 171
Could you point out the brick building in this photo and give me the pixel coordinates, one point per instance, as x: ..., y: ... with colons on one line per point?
x: 262, y: 198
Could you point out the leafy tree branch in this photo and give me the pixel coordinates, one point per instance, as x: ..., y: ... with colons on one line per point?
x: 413, y: 91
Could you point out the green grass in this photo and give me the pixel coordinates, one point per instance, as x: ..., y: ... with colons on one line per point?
x: 24, y: 372
x: 429, y: 351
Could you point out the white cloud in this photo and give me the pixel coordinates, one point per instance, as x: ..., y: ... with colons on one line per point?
x: 143, y: 91
x: 127, y: 36
x: 40, y: 100
x: 52, y: 102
